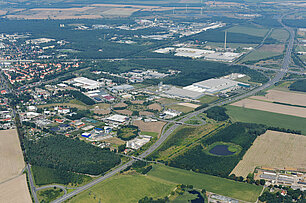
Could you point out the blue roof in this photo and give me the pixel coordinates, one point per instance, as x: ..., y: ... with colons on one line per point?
x: 99, y: 129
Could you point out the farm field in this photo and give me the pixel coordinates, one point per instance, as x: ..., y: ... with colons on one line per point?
x: 11, y: 158
x: 271, y: 107
x: 283, y: 97
x: 242, y: 191
x: 149, y: 126
x: 249, y: 30
x: 15, y: 190
x: 189, y: 105
x: 239, y: 114
x: 117, y: 189
x: 274, y: 150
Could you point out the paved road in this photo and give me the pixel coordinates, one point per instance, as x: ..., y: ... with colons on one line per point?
x: 32, y: 185
x: 52, y: 186
x: 165, y: 133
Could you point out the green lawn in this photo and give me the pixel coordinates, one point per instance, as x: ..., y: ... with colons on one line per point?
x: 249, y: 30
x: 259, y: 55
x: 125, y: 188
x: 153, y: 134
x: 242, y: 191
x: 267, y: 118
x: 280, y: 34
x: 208, y: 99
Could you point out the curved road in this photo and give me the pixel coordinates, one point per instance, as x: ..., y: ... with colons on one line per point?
x: 165, y: 133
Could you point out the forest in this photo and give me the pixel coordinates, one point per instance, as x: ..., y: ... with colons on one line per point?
x: 46, y: 176
x: 62, y: 153
x: 197, y: 159
x: 299, y: 85
x: 217, y: 113
x: 128, y: 132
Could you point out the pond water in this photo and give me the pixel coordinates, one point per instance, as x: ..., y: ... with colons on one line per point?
x: 199, y: 199
x: 221, y: 150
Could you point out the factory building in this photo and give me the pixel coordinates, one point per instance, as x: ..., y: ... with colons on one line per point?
x: 184, y: 93
x: 213, y: 86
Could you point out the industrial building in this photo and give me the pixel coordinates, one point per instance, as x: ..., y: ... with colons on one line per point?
x: 85, y: 83
x: 118, y: 119
x: 184, y: 93
x: 137, y: 142
x: 192, y: 53
x: 213, y: 86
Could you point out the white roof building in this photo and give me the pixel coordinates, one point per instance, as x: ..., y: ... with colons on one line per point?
x: 137, y: 142
x: 86, y: 83
x: 212, y: 86
x: 117, y: 118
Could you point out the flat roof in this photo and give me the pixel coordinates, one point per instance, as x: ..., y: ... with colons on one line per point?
x: 184, y: 93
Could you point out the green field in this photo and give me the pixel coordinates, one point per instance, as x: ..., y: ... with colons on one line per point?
x: 242, y: 191
x: 208, y: 99
x: 249, y: 30
x: 259, y: 55
x: 300, y: 48
x: 280, y: 34
x: 229, y: 45
x: 181, y: 108
x: 125, y: 188
x: 48, y: 195
x: 239, y: 114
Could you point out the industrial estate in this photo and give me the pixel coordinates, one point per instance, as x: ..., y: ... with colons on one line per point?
x: 152, y: 101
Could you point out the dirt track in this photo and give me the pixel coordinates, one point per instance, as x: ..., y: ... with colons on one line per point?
x: 274, y: 150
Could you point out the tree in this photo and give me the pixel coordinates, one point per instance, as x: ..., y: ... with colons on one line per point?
x: 203, y: 191
x: 262, y: 182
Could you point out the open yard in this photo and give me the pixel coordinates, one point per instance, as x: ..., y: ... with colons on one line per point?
x: 271, y: 107
x: 274, y: 150
x: 283, y: 97
x: 15, y: 190
x: 150, y: 126
x: 239, y: 114
x: 11, y: 158
x: 242, y: 191
x: 125, y: 188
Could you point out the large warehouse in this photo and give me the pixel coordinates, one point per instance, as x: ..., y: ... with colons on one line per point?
x: 184, y: 93
x: 213, y: 86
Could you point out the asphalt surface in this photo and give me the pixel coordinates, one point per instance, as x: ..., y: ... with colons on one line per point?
x: 32, y: 185
x: 165, y: 133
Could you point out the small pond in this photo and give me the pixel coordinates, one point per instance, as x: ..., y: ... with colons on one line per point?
x: 199, y: 199
x: 221, y: 150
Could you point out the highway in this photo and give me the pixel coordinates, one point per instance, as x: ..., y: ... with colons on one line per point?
x: 166, y: 132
